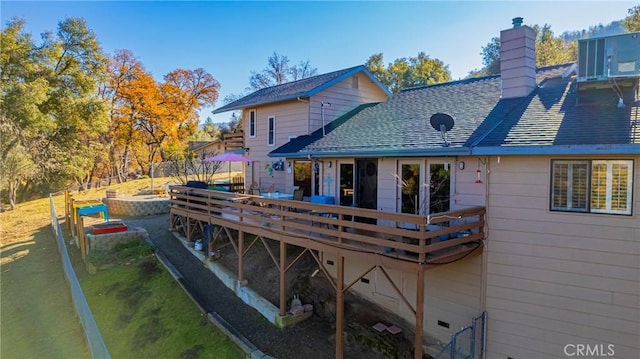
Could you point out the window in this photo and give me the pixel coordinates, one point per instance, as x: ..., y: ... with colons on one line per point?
x: 252, y: 123
x: 271, y: 131
x: 597, y: 186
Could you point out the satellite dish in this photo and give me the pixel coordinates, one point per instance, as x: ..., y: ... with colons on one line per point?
x: 443, y: 123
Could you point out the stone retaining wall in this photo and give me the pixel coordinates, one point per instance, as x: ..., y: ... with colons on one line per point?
x: 107, y: 241
x: 132, y: 206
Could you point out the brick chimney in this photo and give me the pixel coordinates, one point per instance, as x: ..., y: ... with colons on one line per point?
x: 517, y: 60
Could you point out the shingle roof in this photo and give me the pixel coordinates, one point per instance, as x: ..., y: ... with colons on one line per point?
x: 557, y: 113
x: 550, y: 116
x: 301, y: 88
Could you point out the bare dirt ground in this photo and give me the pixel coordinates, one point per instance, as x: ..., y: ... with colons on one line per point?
x: 312, y: 338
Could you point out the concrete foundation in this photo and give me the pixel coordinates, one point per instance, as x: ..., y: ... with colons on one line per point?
x: 248, y: 295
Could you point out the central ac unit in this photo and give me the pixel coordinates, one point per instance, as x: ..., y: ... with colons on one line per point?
x: 612, y: 56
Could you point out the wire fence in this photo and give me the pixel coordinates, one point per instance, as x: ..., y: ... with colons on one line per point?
x: 179, y: 170
x: 464, y: 343
x: 96, y: 344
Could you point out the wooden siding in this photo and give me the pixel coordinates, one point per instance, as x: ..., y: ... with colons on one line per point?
x: 343, y: 98
x: 291, y: 120
x: 557, y: 278
x: 301, y: 117
x: 453, y: 292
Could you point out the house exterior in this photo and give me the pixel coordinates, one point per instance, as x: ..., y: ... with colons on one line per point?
x: 205, y: 149
x: 273, y: 116
x: 553, y: 159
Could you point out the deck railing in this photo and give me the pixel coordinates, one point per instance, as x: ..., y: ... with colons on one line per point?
x: 422, y: 239
x: 234, y: 140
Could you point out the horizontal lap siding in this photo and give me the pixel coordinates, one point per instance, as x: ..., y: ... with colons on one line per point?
x: 466, y: 192
x: 343, y: 98
x: 452, y: 292
x: 291, y: 120
x: 557, y: 278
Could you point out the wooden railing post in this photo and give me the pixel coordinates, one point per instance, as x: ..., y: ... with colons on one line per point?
x: 422, y: 256
x: 340, y: 308
x: 417, y: 353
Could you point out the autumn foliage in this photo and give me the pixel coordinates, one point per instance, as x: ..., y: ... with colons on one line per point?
x: 151, y: 120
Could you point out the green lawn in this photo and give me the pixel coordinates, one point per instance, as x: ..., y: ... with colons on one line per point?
x: 143, y: 313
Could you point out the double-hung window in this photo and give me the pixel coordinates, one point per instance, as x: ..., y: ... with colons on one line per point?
x: 271, y: 131
x: 595, y: 186
x: 252, y: 123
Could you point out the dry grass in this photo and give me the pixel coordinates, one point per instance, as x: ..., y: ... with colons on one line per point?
x: 38, y: 320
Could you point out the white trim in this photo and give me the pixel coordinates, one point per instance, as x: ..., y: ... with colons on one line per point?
x: 609, y: 186
x: 252, y: 126
x: 271, y: 130
x: 608, y: 183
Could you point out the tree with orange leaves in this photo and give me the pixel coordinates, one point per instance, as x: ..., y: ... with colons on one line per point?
x: 151, y: 120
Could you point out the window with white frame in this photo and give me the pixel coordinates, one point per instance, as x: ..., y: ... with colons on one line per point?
x: 595, y: 186
x: 252, y: 123
x: 271, y: 131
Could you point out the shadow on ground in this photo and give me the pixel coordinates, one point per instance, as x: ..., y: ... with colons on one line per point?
x: 38, y: 319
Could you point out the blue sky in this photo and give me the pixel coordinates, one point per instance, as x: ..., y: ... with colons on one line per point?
x: 229, y: 39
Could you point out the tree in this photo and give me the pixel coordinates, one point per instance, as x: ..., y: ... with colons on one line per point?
x: 491, y: 57
x: 210, y: 128
x: 632, y: 22
x: 408, y: 72
x: 50, y: 108
x: 152, y: 120
x: 375, y: 65
x: 279, y: 71
x: 134, y: 97
x: 550, y: 50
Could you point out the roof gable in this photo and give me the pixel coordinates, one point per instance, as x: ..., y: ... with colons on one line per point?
x: 301, y: 88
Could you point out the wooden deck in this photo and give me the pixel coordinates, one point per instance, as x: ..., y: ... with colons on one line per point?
x: 359, y: 232
x: 383, y: 240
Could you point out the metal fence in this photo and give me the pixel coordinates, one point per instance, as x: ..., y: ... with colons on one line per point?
x: 464, y: 343
x: 96, y: 344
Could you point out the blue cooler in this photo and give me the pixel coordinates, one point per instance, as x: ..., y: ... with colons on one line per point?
x: 323, y: 199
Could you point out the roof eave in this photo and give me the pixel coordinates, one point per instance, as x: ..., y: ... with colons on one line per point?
x: 422, y: 152
x: 603, y: 149
x: 311, y: 92
x: 240, y: 107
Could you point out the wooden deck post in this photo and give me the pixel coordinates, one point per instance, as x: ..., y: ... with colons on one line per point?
x: 283, y: 278
x: 240, y: 256
x: 73, y: 225
x: 66, y: 208
x: 81, y: 237
x: 419, y: 314
x: 340, y: 308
